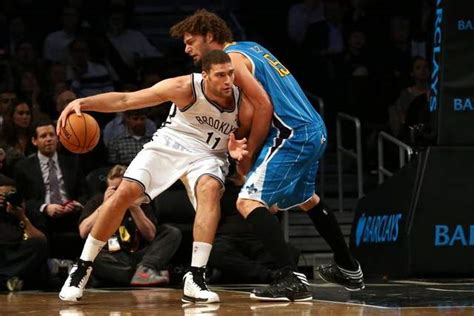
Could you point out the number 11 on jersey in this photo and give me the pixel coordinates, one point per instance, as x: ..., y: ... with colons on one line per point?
x: 209, y: 140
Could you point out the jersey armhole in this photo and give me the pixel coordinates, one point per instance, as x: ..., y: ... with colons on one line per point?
x: 252, y: 64
x: 194, y: 96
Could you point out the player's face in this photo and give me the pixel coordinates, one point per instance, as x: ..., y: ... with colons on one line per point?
x: 220, y: 79
x: 46, y: 140
x: 195, y: 46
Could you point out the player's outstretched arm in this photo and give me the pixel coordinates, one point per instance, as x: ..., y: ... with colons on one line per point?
x: 176, y: 89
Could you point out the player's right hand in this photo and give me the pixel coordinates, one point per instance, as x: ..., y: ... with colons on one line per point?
x: 73, y: 106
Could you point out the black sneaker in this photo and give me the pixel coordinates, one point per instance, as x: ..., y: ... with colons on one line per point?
x: 350, y: 279
x: 287, y: 286
x: 195, y: 289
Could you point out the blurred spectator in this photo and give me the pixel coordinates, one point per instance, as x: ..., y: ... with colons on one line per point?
x: 140, y: 251
x: 7, y: 81
x: 63, y: 100
x: 357, y: 15
x: 326, y: 37
x: 17, y: 33
x: 131, y: 45
x: 420, y: 75
x: 53, y: 185
x: 26, y: 58
x: 23, y: 247
x: 86, y: 77
x: 3, y: 158
x: 357, y: 98
x: 324, y: 44
x: 122, y: 149
x: 117, y: 127
x: 301, y: 15
x: 53, y: 84
x: 55, y: 47
x: 15, y: 136
x: 356, y: 60
x: 7, y: 98
x: 30, y: 90
x: 158, y: 114
x: 56, y: 74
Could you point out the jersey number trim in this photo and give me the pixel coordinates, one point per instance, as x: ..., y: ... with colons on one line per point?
x: 277, y: 65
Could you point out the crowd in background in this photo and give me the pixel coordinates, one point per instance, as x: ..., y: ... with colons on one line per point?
x: 358, y: 58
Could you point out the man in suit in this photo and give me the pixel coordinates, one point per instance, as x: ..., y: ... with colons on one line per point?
x: 53, y: 185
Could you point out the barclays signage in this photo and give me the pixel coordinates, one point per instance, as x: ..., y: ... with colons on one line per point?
x: 437, y: 41
x: 457, y: 235
x: 377, y: 229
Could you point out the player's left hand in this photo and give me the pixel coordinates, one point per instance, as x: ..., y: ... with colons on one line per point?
x: 237, y: 147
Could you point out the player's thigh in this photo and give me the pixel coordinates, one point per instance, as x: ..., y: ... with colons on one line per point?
x: 157, y: 168
x: 209, y: 174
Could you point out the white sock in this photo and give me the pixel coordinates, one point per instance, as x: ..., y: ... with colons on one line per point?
x: 91, y: 248
x: 201, y: 251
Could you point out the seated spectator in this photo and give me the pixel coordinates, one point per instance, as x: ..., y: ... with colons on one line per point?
x: 123, y: 149
x: 23, y: 247
x: 237, y: 255
x: 30, y: 91
x: 26, y: 58
x: 300, y: 16
x: 117, y: 127
x: 17, y: 32
x: 85, y: 76
x: 131, y: 46
x: 56, y: 44
x: 52, y: 86
x: 53, y: 185
x: 420, y: 75
x: 3, y: 158
x: 62, y: 100
x: 7, y: 98
x: 140, y: 251
x: 15, y: 133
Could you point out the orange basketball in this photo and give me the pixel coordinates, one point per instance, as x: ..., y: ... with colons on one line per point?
x: 81, y: 133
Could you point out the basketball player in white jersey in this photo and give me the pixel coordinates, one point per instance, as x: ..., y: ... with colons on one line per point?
x: 191, y: 146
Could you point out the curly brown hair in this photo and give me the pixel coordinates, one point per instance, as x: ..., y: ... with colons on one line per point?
x: 201, y: 23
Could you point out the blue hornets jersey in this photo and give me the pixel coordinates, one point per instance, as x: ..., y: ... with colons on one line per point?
x: 290, y: 104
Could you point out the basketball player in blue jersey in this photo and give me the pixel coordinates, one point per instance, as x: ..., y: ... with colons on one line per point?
x: 191, y: 146
x: 286, y: 141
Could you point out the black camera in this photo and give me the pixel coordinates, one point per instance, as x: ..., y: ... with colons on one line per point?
x: 12, y: 197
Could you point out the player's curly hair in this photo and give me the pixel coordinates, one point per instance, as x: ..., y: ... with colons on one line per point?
x: 201, y: 23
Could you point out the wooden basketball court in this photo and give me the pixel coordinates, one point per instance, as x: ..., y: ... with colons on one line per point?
x: 452, y: 297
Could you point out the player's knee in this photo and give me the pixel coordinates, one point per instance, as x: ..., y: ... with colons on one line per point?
x: 209, y: 185
x: 128, y: 192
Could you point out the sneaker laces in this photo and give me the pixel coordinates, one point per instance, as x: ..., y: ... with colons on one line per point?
x: 282, y: 280
x: 79, y: 275
x: 198, y: 275
x: 346, y: 274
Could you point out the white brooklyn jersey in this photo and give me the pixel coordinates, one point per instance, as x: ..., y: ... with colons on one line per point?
x: 202, y: 126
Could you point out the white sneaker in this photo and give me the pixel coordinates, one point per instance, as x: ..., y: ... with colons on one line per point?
x: 76, y: 281
x: 195, y: 288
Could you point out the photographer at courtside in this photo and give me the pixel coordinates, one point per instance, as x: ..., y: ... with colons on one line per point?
x: 23, y: 247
